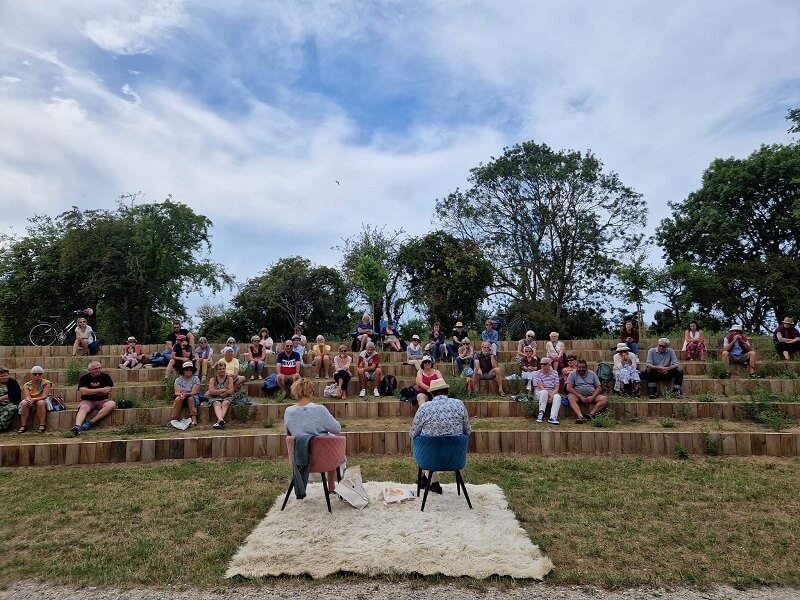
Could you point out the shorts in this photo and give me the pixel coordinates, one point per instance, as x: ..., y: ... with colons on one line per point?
x: 489, y: 376
x: 370, y: 375
x: 739, y: 359
x: 212, y: 399
x: 93, y: 404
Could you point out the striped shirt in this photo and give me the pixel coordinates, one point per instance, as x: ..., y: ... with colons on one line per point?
x: 549, y: 381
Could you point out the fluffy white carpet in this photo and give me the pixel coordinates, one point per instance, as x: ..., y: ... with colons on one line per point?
x: 447, y: 538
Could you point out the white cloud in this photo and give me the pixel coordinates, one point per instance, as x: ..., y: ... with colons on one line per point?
x: 139, y: 30
x: 10, y: 79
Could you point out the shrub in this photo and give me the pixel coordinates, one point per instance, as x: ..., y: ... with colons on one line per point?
x: 717, y: 370
x: 241, y: 409
x: 710, y: 442
x: 75, y: 369
x: 760, y: 409
x: 603, y: 421
x: 667, y: 423
x: 458, y: 387
x: 681, y: 452
x: 280, y: 395
x: 267, y: 423
x: 706, y: 398
x: 134, y: 427
x: 169, y: 387
x: 682, y: 410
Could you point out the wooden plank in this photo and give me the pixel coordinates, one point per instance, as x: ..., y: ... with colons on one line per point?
x: 118, y: 451
x: 379, y: 442
x: 133, y: 451
x: 365, y: 442
x: 535, y: 442
x: 758, y: 443
x: 727, y: 443
x: 86, y: 454
x: 205, y: 447
x: 481, y: 441
x: 742, y: 443
x: 587, y: 442
x: 218, y: 447
x: 573, y: 442
x: 148, y: 450
x: 548, y: 442
x: 260, y: 446
x: 614, y: 441
x: 521, y: 441
x: 507, y: 442
x: 162, y: 450
x: 232, y: 446
x: 494, y: 441
x: 390, y: 443
x: 246, y: 445
x: 276, y: 446
x: 656, y: 443
x: 41, y: 455
x: 773, y: 445
x: 72, y: 454
x: 787, y: 444
x: 601, y: 442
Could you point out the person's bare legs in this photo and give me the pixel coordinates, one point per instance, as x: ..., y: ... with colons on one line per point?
x: 326, y: 367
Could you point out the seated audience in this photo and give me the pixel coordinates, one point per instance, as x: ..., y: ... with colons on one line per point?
x: 94, y: 387
x: 571, y: 365
x: 187, y: 389
x: 465, y: 355
x: 308, y: 418
x: 204, y: 357
x: 256, y: 355
x: 301, y: 340
x: 132, y: 355
x: 178, y: 329
x: 391, y: 338
x: 662, y: 364
x: 527, y: 342
x: 737, y: 350
x: 489, y: 334
x: 528, y: 365
x: 485, y: 366
x: 85, y: 339
x: 626, y: 369
x: 630, y: 336
x: 220, y: 394
x: 231, y: 342
x: 369, y: 370
x: 414, y: 352
x: 341, y: 371
x: 424, y: 377
x: 694, y: 342
x: 288, y: 361
x: 265, y: 340
x: 456, y: 336
x: 10, y: 398
x: 181, y: 352
x: 322, y: 358
x: 232, y: 367
x: 438, y: 345
x: 364, y: 331
x: 34, y: 398
x: 788, y: 338
x: 583, y: 387
x: 547, y: 382
x: 554, y: 350
x: 299, y: 347
x: 442, y: 415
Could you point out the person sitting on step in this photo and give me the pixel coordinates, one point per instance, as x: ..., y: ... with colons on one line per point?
x: 528, y: 364
x: 663, y: 365
x: 527, y: 342
x: 256, y: 357
x: 341, y: 374
x: 369, y: 370
x: 425, y: 376
x: 583, y: 387
x: 626, y: 370
x: 694, y: 342
x: 737, y: 350
x: 486, y: 367
x: 95, y: 387
x: 288, y: 361
x: 232, y: 366
x: 787, y: 338
x: 34, y: 398
x: 322, y: 358
x: 547, y: 383
x: 415, y: 352
x: 187, y: 389
x: 465, y: 355
x: 220, y: 394
x: 10, y: 398
x: 132, y: 355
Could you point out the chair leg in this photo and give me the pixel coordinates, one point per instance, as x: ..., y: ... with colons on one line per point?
x: 458, y: 486
x: 338, y: 474
x: 427, y: 489
x: 419, y: 478
x: 289, y: 491
x: 325, y: 491
x: 460, y: 481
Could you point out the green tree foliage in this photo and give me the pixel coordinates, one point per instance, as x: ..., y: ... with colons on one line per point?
x: 446, y: 277
x: 739, y: 228
x: 553, y: 224
x: 133, y: 265
x: 371, y: 269
x: 290, y: 292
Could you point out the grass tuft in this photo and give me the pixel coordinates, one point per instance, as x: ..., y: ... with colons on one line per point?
x: 666, y: 423
x: 268, y: 423
x: 680, y: 451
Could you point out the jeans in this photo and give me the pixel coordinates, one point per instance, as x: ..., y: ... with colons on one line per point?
x: 256, y: 367
x: 438, y: 351
x: 652, y: 376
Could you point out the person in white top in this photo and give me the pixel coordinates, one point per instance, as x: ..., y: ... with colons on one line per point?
x: 626, y: 371
x: 265, y: 340
x: 554, y: 350
x: 694, y: 342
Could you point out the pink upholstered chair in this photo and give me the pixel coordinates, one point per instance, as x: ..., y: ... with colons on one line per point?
x: 327, y: 454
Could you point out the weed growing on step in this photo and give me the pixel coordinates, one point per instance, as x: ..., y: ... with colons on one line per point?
x: 76, y: 367
x: 343, y: 425
x: 168, y: 392
x: 531, y: 406
x: 705, y: 398
x: 134, y: 427
x: 241, y: 409
x: 680, y: 452
x: 603, y: 421
x: 761, y: 410
x: 666, y: 423
x: 280, y: 395
x: 458, y: 387
x: 681, y: 411
x: 788, y: 373
x: 710, y: 442
x: 717, y: 370
x: 268, y: 423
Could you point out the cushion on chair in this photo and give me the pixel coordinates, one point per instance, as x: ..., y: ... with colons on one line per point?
x: 327, y: 452
x: 441, y: 452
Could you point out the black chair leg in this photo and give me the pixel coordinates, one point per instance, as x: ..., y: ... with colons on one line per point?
x: 338, y: 474
x: 460, y: 481
x: 427, y: 489
x: 419, y: 479
x: 458, y: 486
x: 289, y: 491
x: 325, y: 491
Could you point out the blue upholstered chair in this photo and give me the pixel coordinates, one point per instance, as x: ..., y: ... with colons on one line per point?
x: 437, y: 453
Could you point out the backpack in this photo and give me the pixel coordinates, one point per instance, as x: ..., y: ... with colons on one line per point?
x: 408, y: 394
x: 604, y: 372
x: 270, y: 383
x: 388, y: 385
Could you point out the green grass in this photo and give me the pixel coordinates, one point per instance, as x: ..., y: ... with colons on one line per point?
x: 697, y: 521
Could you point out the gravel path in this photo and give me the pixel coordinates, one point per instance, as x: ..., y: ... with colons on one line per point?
x: 390, y: 591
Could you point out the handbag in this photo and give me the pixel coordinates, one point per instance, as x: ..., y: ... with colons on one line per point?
x: 330, y: 391
x: 351, y: 488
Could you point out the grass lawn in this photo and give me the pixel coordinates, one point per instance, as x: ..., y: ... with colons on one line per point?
x: 605, y: 521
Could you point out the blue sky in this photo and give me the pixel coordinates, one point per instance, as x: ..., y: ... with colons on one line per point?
x: 249, y: 110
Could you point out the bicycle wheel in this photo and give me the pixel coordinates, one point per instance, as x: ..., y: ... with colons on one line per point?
x: 43, y: 334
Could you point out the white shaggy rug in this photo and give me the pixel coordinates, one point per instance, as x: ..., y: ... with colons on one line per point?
x: 447, y: 538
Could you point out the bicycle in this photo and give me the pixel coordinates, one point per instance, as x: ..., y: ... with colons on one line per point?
x: 46, y: 333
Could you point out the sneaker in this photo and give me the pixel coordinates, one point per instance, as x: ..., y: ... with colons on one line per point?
x: 653, y: 395
x: 252, y: 377
x: 540, y: 418
x: 552, y: 421
x: 87, y: 425
x: 362, y: 394
x: 76, y: 430
x: 138, y: 366
x: 581, y: 420
x: 122, y: 366
x: 376, y: 393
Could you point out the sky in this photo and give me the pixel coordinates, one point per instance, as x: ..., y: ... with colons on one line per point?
x: 250, y: 111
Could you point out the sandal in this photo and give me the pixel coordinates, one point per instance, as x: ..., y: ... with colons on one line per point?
x: 217, y: 425
x: 41, y: 429
x: 21, y: 429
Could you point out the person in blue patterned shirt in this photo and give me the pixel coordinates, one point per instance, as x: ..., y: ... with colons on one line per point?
x: 440, y: 416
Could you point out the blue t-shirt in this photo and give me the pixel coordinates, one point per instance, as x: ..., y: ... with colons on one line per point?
x: 186, y: 385
x: 490, y: 337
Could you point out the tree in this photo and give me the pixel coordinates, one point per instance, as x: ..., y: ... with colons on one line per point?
x: 740, y: 229
x: 370, y: 266
x: 446, y: 277
x: 552, y: 223
x: 293, y: 291
x: 133, y: 266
